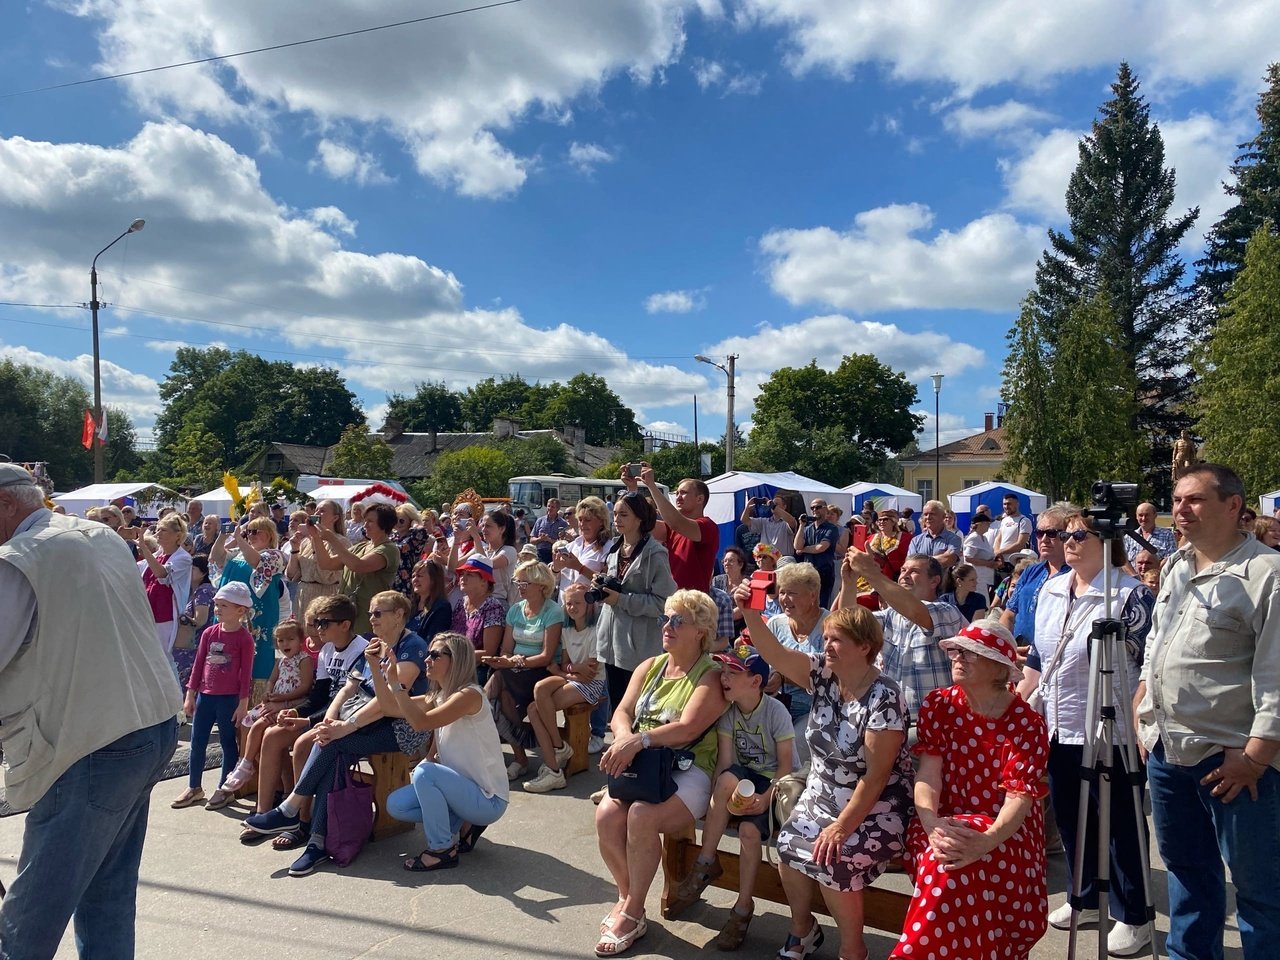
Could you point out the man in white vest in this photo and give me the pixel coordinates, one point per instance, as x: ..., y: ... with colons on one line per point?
x: 88, y: 701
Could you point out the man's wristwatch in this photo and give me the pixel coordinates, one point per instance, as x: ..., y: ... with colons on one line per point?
x: 645, y: 740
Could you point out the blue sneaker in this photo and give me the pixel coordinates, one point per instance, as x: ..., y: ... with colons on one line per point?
x: 273, y: 821
x: 311, y: 858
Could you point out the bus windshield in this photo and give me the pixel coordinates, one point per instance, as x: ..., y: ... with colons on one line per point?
x: 527, y: 492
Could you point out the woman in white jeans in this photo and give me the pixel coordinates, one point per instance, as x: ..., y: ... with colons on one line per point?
x: 465, y: 789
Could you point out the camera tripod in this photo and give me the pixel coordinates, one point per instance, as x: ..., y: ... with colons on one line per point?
x: 1108, y: 663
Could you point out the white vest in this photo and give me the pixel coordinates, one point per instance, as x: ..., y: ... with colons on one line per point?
x: 94, y: 671
x: 1064, y: 689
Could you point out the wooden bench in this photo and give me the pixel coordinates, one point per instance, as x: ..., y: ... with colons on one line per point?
x: 576, y: 731
x: 882, y: 909
x: 387, y: 772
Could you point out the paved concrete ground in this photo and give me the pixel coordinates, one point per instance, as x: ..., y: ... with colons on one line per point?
x: 534, y: 887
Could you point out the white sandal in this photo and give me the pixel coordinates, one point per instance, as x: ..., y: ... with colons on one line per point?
x: 621, y: 943
x: 609, y: 920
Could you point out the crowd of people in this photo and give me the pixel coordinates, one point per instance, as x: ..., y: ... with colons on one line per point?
x: 924, y: 689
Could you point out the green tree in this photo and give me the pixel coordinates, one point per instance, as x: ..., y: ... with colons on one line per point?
x: 1238, y: 393
x: 492, y: 398
x: 1071, y: 402
x: 536, y: 455
x: 41, y: 418
x: 1255, y: 184
x: 484, y: 469
x: 835, y: 426
x: 1122, y: 244
x: 196, y: 459
x: 586, y: 401
x: 359, y: 453
x: 683, y: 460
x: 433, y: 406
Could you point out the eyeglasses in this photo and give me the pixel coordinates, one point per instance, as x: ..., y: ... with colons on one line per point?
x: 1048, y: 534
x: 437, y: 654
x: 958, y: 653
x: 1079, y: 536
x: 677, y: 620
x: 521, y: 584
x: 377, y: 614
x: 322, y: 623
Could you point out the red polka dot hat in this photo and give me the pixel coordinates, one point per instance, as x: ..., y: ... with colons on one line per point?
x: 990, y: 639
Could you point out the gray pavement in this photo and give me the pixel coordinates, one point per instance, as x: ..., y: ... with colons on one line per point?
x: 535, y: 886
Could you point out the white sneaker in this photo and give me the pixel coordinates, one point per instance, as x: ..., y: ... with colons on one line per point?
x: 1126, y: 940
x: 1061, y: 918
x: 595, y: 744
x: 563, y: 754
x: 546, y: 781
x: 516, y: 770
x: 599, y: 795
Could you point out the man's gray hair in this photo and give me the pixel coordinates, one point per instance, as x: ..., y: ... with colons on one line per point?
x: 26, y: 495
x: 1059, y: 512
x: 934, y: 503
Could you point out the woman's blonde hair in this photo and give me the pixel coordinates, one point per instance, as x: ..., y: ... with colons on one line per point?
x: 595, y: 506
x: 408, y: 511
x: 462, y: 665
x: 799, y: 576
x: 860, y: 625
x: 535, y: 571
x: 267, y: 526
x: 394, y: 599
x: 175, y: 522
x: 702, y: 612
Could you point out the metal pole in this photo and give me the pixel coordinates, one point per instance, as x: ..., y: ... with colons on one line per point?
x: 731, y: 435
x: 97, y: 373
x: 937, y: 438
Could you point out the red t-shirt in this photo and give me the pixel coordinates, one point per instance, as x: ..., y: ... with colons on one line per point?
x: 693, y: 561
x: 159, y: 595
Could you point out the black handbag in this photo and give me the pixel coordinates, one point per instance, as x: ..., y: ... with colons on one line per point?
x: 650, y: 778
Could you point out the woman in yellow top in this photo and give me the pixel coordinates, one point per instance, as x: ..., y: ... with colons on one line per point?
x: 673, y: 700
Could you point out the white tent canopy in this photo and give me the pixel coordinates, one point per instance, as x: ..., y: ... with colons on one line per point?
x: 153, y: 497
x: 730, y: 492
x: 886, y: 496
x: 217, y: 502
x: 1268, y: 503
x: 992, y: 493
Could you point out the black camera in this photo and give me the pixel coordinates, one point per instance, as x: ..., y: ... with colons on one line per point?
x: 808, y: 518
x: 1115, y: 497
x: 601, y: 583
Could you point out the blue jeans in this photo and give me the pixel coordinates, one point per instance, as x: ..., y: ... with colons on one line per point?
x: 318, y: 772
x: 1197, y: 833
x: 210, y: 709
x: 442, y: 800
x: 81, y: 849
x: 600, y: 718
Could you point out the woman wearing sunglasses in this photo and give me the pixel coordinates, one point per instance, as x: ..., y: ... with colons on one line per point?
x: 354, y: 726
x: 1065, y: 613
x: 673, y: 700
x: 465, y: 789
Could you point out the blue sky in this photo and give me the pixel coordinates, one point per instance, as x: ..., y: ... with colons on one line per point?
x: 564, y: 185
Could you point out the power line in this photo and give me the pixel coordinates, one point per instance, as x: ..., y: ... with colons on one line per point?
x: 245, y: 53
x: 48, y: 306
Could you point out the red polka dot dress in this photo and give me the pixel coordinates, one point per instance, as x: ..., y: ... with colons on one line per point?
x: 996, y: 908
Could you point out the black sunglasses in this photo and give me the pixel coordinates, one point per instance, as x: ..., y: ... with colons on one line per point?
x: 1048, y: 534
x: 322, y: 623
x: 437, y: 654
x: 1079, y: 536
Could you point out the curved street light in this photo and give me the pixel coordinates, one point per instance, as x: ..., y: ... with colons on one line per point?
x: 97, y: 372
x: 730, y: 434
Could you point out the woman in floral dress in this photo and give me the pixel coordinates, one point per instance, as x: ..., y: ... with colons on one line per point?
x: 977, y: 840
x: 851, y: 819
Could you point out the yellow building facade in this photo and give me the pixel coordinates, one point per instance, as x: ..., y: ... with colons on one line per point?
x: 935, y: 474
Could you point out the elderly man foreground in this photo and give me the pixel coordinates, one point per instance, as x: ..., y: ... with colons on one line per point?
x: 89, y: 699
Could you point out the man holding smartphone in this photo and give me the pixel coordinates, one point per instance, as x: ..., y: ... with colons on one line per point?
x: 769, y: 520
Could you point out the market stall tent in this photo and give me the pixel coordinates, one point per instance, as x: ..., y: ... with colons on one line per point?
x: 884, y: 495
x: 1268, y: 503
x: 217, y: 502
x: 731, y: 491
x: 992, y: 494
x: 147, y: 498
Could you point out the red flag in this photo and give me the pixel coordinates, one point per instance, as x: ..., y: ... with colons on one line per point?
x: 87, y: 432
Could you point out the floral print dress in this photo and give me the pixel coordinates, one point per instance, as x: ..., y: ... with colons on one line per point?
x: 837, y: 738
x: 996, y: 908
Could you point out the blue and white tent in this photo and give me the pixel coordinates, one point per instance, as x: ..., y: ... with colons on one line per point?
x: 731, y: 491
x: 992, y: 494
x: 884, y: 495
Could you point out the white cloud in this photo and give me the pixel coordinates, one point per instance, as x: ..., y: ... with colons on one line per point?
x: 825, y: 339
x: 285, y: 276
x: 1009, y: 41
x: 711, y: 74
x: 676, y: 301
x: 347, y: 163
x: 446, y: 90
x: 587, y: 156
x: 969, y: 122
x: 669, y: 427
x: 134, y: 393
x: 951, y: 427
x: 881, y: 263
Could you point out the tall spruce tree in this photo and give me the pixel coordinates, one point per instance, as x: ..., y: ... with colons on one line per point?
x: 1238, y: 393
x: 1256, y: 188
x: 1122, y: 245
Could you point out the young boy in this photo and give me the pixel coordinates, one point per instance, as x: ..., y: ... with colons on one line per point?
x: 756, y: 743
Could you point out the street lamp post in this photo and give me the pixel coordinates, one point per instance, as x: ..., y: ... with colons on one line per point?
x: 97, y: 372
x: 937, y: 434
x: 730, y: 431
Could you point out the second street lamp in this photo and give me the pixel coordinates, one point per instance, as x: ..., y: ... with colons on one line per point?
x: 97, y: 357
x: 937, y: 434
x: 730, y: 433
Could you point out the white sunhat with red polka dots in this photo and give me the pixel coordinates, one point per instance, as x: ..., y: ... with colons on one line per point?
x: 990, y: 639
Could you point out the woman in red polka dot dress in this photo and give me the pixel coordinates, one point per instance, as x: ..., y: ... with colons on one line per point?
x: 977, y: 840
